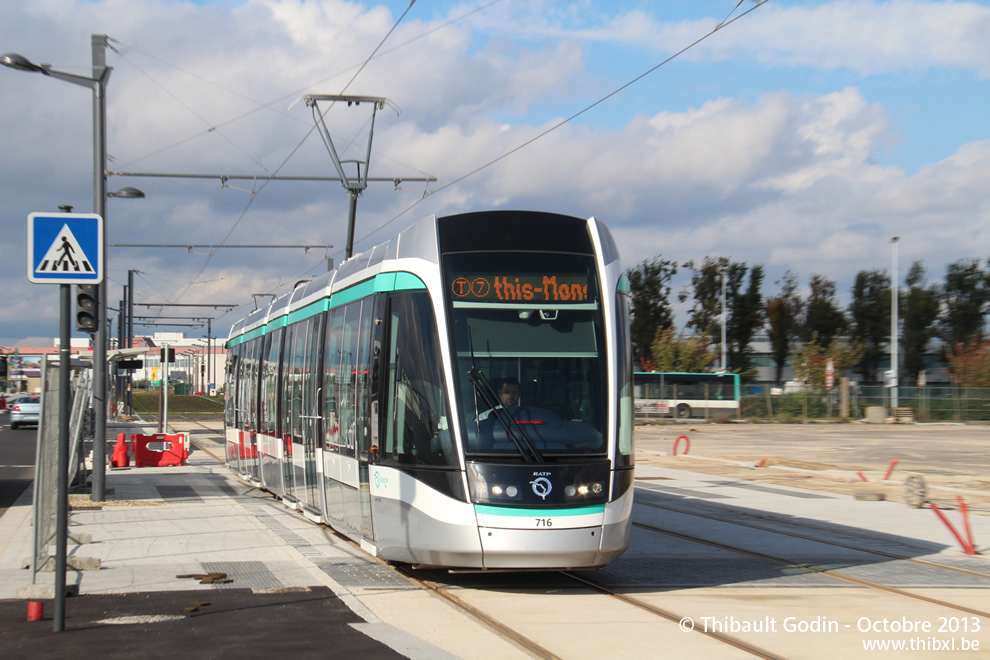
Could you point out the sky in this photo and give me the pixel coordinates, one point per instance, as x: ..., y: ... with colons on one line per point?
x: 800, y: 135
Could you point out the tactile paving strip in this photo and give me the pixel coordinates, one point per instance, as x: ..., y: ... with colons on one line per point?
x: 363, y: 575
x: 245, y: 574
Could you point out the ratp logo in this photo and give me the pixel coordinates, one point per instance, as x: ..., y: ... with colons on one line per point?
x: 542, y: 487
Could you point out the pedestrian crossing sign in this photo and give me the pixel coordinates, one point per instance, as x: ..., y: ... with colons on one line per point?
x: 65, y: 248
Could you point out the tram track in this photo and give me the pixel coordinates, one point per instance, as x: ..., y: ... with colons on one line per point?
x: 810, y: 568
x: 540, y: 650
x: 476, y: 603
x: 763, y: 528
x: 498, y: 627
x: 675, y: 618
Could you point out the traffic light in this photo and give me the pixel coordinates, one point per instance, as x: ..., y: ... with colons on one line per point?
x: 87, y: 308
x: 171, y: 354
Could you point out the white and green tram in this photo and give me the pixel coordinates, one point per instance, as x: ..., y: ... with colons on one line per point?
x: 369, y: 398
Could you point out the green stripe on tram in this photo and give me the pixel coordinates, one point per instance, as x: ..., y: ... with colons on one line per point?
x: 381, y: 283
x: 537, y: 513
x: 313, y: 309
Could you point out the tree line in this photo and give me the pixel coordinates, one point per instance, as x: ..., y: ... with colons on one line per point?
x: 809, y: 330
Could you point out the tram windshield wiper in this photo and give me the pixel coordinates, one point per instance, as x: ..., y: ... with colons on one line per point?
x: 483, y: 388
x: 481, y: 385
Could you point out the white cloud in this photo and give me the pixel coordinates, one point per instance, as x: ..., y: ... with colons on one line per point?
x: 789, y: 180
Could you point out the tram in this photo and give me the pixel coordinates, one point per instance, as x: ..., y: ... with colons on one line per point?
x: 460, y: 396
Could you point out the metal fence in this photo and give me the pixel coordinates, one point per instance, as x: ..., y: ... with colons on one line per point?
x: 928, y: 404
x: 46, y: 458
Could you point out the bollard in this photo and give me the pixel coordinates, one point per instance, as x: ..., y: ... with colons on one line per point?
x: 120, y: 457
x: 36, y: 610
x: 687, y: 444
x: 890, y: 470
x: 969, y: 530
x: 763, y: 461
x: 967, y: 547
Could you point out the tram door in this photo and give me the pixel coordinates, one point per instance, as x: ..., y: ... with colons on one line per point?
x: 354, y: 403
x: 369, y: 451
x: 332, y: 376
x: 361, y: 507
x: 310, y: 418
x: 297, y: 393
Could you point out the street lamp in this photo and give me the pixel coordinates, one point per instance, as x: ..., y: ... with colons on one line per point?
x: 97, y: 82
x: 893, y: 323
x: 723, y: 320
x: 130, y: 192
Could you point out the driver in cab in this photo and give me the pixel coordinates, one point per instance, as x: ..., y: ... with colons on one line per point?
x: 508, y: 395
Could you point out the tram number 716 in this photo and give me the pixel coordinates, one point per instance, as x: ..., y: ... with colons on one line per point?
x: 544, y: 522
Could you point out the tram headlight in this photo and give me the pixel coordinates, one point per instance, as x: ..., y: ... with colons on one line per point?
x: 583, y: 490
x: 509, y: 492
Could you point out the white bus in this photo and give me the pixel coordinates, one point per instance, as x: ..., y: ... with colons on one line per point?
x: 685, y: 395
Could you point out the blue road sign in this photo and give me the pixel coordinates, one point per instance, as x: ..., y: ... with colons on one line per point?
x: 65, y: 248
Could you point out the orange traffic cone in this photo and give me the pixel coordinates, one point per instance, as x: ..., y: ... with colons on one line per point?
x: 120, y: 457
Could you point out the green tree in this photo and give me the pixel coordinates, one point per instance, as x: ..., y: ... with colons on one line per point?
x: 822, y: 320
x: 964, y: 296
x: 869, y: 320
x: 811, y: 360
x: 673, y: 351
x: 706, y: 291
x: 918, y: 312
x: 743, y: 306
x: 649, y: 284
x: 782, y: 314
x: 745, y: 315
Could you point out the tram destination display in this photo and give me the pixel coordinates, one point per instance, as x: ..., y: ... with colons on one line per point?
x: 522, y: 287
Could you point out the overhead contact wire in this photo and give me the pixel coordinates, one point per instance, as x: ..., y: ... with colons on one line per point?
x: 563, y: 122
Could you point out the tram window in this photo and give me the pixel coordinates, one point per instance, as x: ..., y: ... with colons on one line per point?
x: 249, y: 383
x: 417, y: 428
x: 230, y: 396
x: 348, y: 355
x: 311, y: 371
x: 269, y: 381
x: 363, y: 376
x: 331, y: 380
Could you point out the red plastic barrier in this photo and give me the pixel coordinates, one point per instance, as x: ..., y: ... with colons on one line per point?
x: 120, y: 457
x: 158, y: 450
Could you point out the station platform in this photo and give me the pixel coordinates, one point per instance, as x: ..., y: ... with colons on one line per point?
x: 165, y: 534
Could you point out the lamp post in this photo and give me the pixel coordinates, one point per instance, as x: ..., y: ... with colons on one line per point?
x: 723, y: 321
x: 97, y: 82
x: 893, y: 323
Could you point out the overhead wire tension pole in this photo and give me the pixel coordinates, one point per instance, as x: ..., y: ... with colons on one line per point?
x: 354, y: 185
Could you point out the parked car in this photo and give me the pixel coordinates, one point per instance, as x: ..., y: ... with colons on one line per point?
x: 25, y: 410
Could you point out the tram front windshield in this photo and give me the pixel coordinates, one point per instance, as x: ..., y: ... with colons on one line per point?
x: 529, y: 339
